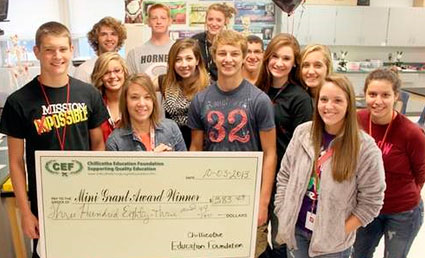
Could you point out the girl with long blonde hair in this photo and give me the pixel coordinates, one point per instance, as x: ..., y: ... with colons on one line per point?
x: 331, y: 178
x: 109, y: 74
x: 316, y: 64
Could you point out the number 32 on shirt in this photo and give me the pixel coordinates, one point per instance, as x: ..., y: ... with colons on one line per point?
x: 217, y: 133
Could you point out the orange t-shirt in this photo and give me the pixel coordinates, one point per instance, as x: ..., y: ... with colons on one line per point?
x: 146, y: 140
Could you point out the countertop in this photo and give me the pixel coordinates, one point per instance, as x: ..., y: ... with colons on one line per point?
x: 366, y: 72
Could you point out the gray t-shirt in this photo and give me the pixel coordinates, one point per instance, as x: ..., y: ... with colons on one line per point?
x: 149, y: 58
x: 232, y: 120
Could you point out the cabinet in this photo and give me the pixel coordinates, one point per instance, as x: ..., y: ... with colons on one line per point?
x: 357, y: 80
x: 357, y: 25
x: 406, y: 27
x: 361, y: 26
x: 313, y: 24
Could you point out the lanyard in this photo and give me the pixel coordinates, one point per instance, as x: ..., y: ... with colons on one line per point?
x: 279, y: 91
x: 317, y: 173
x: 151, y: 138
x: 386, y: 130
x: 60, y: 139
x: 110, y: 119
x: 207, y: 53
x: 152, y: 135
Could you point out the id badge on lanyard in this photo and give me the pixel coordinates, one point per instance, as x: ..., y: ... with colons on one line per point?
x: 311, y: 216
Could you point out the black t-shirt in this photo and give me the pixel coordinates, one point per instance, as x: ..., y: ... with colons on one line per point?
x: 26, y: 115
x: 292, y: 107
x: 205, y: 45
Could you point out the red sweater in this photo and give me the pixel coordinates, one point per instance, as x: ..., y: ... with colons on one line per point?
x: 404, y: 161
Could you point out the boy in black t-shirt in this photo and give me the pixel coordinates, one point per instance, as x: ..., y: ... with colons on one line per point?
x: 52, y: 112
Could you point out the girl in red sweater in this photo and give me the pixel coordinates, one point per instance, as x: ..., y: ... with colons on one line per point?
x: 403, y: 150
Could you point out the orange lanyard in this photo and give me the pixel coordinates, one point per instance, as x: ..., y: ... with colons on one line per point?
x: 386, y: 130
x: 63, y: 138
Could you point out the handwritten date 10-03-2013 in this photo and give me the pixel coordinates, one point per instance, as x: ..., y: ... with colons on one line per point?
x: 225, y: 174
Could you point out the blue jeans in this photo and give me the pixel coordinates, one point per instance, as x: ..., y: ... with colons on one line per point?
x: 34, y: 253
x: 277, y: 251
x: 399, y: 229
x: 303, y: 242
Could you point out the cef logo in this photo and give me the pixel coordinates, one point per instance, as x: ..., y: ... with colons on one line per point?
x: 64, y: 168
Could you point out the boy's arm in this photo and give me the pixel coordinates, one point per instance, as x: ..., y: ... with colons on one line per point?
x: 268, y: 145
x: 17, y: 174
x: 197, y: 140
x: 96, y: 139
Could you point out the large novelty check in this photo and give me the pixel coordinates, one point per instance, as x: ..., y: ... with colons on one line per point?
x: 140, y: 204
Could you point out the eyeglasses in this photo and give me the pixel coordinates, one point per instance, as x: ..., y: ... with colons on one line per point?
x: 115, y: 71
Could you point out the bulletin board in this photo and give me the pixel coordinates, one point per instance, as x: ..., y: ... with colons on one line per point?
x: 252, y: 17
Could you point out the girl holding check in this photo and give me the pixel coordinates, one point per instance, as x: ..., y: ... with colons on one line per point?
x: 141, y: 128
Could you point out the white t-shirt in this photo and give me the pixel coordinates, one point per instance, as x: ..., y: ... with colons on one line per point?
x: 83, y: 72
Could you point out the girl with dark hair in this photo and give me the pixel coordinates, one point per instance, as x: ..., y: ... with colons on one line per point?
x: 186, y: 77
x: 292, y: 105
x: 403, y: 150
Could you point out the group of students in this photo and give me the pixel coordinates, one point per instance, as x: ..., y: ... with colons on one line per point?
x: 333, y: 177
